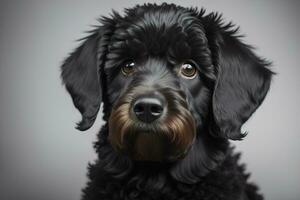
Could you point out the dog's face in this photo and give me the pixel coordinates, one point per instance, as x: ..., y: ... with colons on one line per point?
x: 171, y: 80
x: 158, y: 73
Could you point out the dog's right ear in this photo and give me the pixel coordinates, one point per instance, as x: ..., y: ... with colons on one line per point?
x: 82, y: 73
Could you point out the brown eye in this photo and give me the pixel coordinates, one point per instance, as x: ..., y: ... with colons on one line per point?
x: 128, y: 68
x: 188, y: 71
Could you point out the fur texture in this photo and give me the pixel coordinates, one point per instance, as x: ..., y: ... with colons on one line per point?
x: 207, y: 111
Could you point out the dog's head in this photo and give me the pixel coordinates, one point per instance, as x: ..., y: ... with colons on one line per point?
x: 175, y: 84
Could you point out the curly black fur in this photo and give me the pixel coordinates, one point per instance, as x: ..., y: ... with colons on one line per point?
x: 232, y: 83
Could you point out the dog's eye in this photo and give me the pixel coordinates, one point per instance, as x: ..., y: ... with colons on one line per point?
x: 128, y: 68
x: 188, y: 71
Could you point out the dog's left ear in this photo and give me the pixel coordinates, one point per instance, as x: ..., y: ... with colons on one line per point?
x: 82, y: 73
x: 243, y: 79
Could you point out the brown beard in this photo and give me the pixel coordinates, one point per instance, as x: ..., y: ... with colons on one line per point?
x: 166, y: 139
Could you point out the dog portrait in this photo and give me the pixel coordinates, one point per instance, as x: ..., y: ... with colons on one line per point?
x: 176, y: 85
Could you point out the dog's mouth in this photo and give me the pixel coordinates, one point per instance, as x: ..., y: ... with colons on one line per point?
x: 166, y: 139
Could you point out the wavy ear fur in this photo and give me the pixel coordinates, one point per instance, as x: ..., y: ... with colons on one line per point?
x: 82, y: 73
x: 243, y: 79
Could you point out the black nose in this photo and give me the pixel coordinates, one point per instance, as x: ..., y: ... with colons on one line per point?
x: 148, y: 109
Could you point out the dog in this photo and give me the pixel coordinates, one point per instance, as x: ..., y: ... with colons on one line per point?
x: 176, y: 85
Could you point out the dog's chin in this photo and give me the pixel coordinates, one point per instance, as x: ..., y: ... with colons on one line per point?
x: 142, y: 144
x: 152, y: 147
x: 168, y: 141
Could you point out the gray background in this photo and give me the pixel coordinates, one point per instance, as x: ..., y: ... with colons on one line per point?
x: 43, y: 157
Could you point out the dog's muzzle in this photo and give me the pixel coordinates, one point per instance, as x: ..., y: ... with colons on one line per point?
x: 152, y: 125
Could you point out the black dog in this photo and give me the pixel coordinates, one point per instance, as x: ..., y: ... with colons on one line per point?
x: 176, y: 85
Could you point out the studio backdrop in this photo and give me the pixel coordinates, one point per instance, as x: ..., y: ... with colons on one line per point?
x: 42, y: 155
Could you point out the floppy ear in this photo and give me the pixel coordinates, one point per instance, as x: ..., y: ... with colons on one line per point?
x: 82, y: 73
x: 243, y: 79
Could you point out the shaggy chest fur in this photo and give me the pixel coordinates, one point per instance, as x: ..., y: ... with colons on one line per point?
x: 145, y: 181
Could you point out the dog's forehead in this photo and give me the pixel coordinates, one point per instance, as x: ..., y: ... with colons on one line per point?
x: 159, y: 16
x: 160, y: 32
